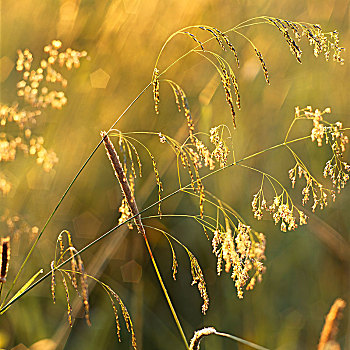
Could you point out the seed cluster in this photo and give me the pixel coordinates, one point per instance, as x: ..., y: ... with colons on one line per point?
x: 282, y: 210
x: 312, y: 187
x: 31, y: 86
x: 221, y: 39
x: 263, y: 65
x: 338, y: 171
x: 191, y: 160
x: 129, y: 152
x: 124, y: 209
x: 221, y: 151
x: 198, y: 278
x: 78, y: 279
x: 129, y: 325
x: 195, y: 39
x: 182, y: 104
x: 242, y: 252
x: 201, y: 155
x: 22, y: 118
x: 322, y: 42
x: 331, y: 134
x: 155, y: 83
x: 37, y: 96
x: 33, y: 146
x: 194, y: 154
x: 226, y: 80
x: 331, y: 326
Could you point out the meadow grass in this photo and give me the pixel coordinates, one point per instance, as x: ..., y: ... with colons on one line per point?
x: 238, y: 248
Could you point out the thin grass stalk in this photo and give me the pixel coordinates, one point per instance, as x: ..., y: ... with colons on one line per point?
x: 200, y: 334
x: 243, y: 341
x: 123, y: 181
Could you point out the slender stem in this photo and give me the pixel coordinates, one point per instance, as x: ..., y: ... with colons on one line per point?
x: 246, y: 342
x: 166, y: 294
x: 290, y: 128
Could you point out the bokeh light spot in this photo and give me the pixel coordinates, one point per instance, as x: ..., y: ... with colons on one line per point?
x: 131, y: 272
x: 99, y: 79
x: 86, y: 224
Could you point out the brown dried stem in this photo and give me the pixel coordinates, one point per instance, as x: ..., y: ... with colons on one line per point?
x: 123, y: 181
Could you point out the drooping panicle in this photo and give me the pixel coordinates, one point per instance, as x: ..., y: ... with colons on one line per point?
x: 195, y: 39
x: 123, y: 181
x: 53, y: 281
x: 263, y: 65
x: 155, y: 83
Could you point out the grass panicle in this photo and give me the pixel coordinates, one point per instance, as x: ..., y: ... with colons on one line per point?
x: 126, y: 316
x: 69, y: 307
x: 38, y: 89
x: 263, y: 65
x: 123, y: 181
x: 62, y: 252
x: 195, y: 39
x: 155, y: 83
x: 182, y: 104
x: 53, y: 281
x: 198, y: 278
x: 323, y: 43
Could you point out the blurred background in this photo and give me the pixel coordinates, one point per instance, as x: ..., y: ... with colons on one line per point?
x: 306, y: 269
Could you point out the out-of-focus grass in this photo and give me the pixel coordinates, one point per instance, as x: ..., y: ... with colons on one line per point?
x: 304, y: 275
